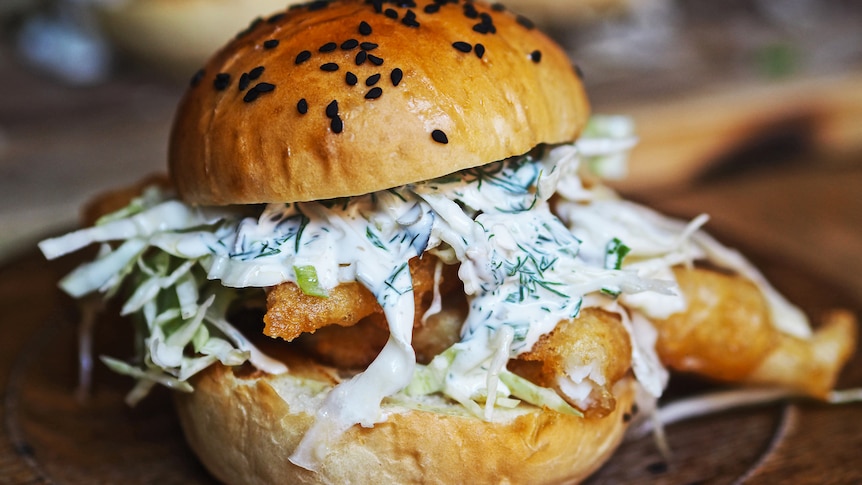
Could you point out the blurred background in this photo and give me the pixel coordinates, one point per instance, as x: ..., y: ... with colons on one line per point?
x: 750, y: 110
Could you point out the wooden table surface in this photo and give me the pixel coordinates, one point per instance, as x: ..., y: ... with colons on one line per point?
x: 59, y: 145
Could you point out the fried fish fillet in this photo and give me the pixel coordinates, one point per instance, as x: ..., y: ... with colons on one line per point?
x: 726, y: 333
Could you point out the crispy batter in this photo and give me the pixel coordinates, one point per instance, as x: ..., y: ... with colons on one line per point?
x: 592, y: 349
x: 356, y: 346
x: 290, y: 312
x: 726, y: 333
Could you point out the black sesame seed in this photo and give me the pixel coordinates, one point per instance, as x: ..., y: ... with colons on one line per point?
x: 360, y: 57
x: 196, y: 79
x: 275, y: 18
x: 264, y: 87
x: 378, y: 5
x: 317, y: 5
x: 302, y: 57
x: 254, y: 23
x: 439, y: 136
x: 480, y: 50
x: 364, y: 28
x: 256, y: 72
x: 482, y: 28
x: 368, y: 46
x: 328, y: 47
x: 410, y: 19
x: 221, y: 81
x: 377, y: 61
x: 336, y: 125
x: 525, y: 22
x: 302, y: 106
x: 536, y: 56
x: 406, y: 4
x: 329, y: 67
x: 391, y: 13
x: 462, y: 46
x: 431, y: 8
x: 372, y: 80
x: 351, y: 78
x: 244, y: 81
x: 270, y: 44
x: 627, y: 417
x: 470, y: 11
x: 498, y: 7
x: 349, y: 44
x: 332, y: 109
x: 396, y: 76
x: 373, y: 93
x: 250, y: 96
x: 579, y: 72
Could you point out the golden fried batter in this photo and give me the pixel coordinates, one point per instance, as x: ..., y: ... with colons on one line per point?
x: 290, y: 312
x: 593, y: 349
x: 726, y: 333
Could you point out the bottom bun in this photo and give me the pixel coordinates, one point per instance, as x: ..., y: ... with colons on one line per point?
x: 244, y: 426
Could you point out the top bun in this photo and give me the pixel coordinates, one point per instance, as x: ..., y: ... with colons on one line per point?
x: 334, y: 99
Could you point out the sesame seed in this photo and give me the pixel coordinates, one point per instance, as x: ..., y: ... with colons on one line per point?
x: 579, y: 72
x: 275, y: 18
x: 360, y: 57
x: 250, y: 95
x: 349, y: 44
x: 368, y: 46
x: 336, y: 125
x: 407, y: 4
x: 480, y: 50
x: 391, y: 13
x: 196, y: 79
x: 431, y: 8
x: 396, y: 76
x: 221, y: 81
x: 364, y: 28
x: 462, y: 46
x: 439, y: 136
x: 332, y: 109
x: 373, y: 93
x: 270, y: 44
x: 254, y: 23
x: 351, y: 79
x: 302, y: 57
x: 525, y: 22
x: 244, y: 81
x: 329, y: 67
x: 317, y: 5
x: 372, y: 80
x: 256, y: 72
x: 536, y: 56
x: 470, y: 11
x: 498, y: 7
x: 328, y: 47
x: 378, y: 5
x: 264, y: 87
x: 377, y: 61
x: 410, y: 19
x: 302, y: 106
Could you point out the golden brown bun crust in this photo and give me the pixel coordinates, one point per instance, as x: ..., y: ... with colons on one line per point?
x: 522, y: 92
x: 244, y: 432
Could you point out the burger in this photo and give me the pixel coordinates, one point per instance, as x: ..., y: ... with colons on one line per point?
x: 385, y: 255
